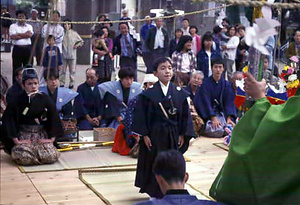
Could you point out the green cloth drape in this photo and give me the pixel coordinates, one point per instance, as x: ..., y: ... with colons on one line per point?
x: 263, y: 163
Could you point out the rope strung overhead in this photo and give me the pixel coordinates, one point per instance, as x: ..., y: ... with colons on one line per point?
x: 255, y: 3
x: 120, y: 21
x: 246, y: 3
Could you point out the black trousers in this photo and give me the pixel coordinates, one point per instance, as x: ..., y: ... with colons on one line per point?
x: 129, y: 62
x: 20, y: 57
x: 37, y: 46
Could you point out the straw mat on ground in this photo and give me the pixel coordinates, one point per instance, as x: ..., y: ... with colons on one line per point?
x: 116, y: 185
x: 80, y: 159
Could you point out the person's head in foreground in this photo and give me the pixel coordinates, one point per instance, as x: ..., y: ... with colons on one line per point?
x: 126, y: 76
x: 196, y: 78
x: 217, y: 67
x: 162, y: 69
x: 170, y: 172
x: 30, y: 80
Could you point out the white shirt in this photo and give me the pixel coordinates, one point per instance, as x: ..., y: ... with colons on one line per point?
x: 186, y: 32
x: 194, y: 45
x: 159, y: 38
x: 209, y: 63
x: 185, y: 63
x: 164, y: 88
x: 57, y: 31
x: 14, y: 29
x: 232, y: 45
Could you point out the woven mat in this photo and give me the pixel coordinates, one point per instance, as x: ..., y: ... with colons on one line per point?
x: 222, y: 146
x: 80, y: 159
x: 116, y: 185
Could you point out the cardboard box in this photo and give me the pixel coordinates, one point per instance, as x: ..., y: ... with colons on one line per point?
x: 104, y: 134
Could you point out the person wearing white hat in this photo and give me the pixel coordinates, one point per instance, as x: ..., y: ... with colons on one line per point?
x: 149, y: 80
x: 36, y: 38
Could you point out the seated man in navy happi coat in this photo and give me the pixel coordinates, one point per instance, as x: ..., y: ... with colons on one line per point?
x: 116, y: 96
x: 61, y: 96
x: 214, y: 100
x: 88, y: 103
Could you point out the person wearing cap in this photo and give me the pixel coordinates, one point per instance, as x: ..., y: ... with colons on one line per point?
x: 36, y: 38
x: 20, y: 33
x: 31, y: 124
x: 125, y: 15
x: 170, y: 173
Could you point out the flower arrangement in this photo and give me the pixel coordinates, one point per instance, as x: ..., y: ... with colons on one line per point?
x: 291, y: 75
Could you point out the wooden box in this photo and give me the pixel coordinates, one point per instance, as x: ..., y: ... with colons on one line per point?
x: 104, y: 134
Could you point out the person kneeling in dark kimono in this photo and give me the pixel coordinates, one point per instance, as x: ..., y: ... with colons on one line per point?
x: 214, y: 101
x: 62, y: 97
x: 88, y: 105
x: 170, y: 172
x: 117, y: 95
x: 162, y: 119
x: 31, y: 124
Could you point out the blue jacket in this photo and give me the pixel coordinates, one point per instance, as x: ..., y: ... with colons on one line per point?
x: 117, y: 45
x: 180, y: 199
x: 202, y: 60
x: 144, y: 30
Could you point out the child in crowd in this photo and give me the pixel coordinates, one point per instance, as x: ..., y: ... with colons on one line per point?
x: 162, y: 119
x: 51, y: 57
x: 99, y: 43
